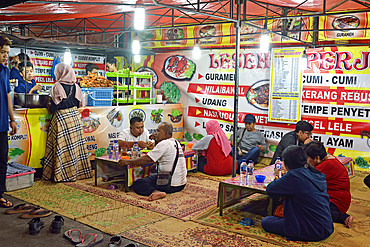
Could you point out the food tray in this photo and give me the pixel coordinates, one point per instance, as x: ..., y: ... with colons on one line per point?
x: 99, y: 96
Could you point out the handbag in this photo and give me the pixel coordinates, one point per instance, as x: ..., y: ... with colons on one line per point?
x: 164, y: 178
x: 241, y: 152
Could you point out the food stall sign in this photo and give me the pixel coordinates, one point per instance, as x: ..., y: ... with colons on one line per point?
x: 286, y: 85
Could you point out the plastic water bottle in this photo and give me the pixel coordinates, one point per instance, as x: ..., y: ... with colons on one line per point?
x: 243, y: 173
x: 250, y: 170
x: 116, y: 150
x: 277, y: 168
x: 135, y: 149
x: 110, y: 150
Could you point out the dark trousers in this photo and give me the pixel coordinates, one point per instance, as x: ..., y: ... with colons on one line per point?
x: 367, y: 180
x: 146, y: 186
x: 202, y: 161
x: 337, y: 216
x: 253, y: 154
x: 3, y: 160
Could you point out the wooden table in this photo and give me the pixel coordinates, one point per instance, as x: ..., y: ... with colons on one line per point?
x: 237, y: 189
x: 128, y: 174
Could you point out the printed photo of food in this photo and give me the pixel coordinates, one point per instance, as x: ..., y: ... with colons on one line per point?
x: 207, y: 31
x: 137, y: 113
x: 45, y: 122
x: 258, y: 94
x: 175, y: 116
x: 115, y: 117
x: 90, y: 121
x: 174, y: 33
x: 179, y: 68
x: 346, y: 21
x: 156, y: 116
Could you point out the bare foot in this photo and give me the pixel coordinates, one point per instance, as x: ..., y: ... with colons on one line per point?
x: 348, y: 221
x: 157, y: 195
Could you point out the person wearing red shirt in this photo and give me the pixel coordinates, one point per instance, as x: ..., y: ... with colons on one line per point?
x: 216, y: 149
x: 336, y: 179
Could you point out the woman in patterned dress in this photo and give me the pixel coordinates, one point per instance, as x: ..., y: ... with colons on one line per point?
x: 66, y: 157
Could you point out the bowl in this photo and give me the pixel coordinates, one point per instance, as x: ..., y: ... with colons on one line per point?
x: 260, y: 178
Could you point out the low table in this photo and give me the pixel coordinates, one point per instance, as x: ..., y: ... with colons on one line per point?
x: 129, y: 174
x: 236, y: 189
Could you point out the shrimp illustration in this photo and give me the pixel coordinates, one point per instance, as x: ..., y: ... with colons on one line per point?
x: 181, y: 66
x: 172, y: 64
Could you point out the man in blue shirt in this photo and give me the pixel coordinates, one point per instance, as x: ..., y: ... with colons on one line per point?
x: 14, y: 72
x: 27, y: 75
x: 6, y: 110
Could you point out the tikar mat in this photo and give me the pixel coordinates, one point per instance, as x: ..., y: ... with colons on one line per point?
x: 173, y: 232
x: 198, y: 195
x: 357, y: 235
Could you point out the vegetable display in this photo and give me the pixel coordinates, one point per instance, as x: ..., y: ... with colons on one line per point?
x: 171, y: 91
x: 94, y: 80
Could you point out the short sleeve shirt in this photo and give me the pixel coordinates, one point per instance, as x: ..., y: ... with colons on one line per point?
x: 129, y: 137
x: 165, y: 153
x: 4, y: 90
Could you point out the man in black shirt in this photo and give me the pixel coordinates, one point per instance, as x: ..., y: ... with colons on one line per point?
x: 301, y: 136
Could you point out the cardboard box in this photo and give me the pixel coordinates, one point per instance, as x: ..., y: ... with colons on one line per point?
x: 19, y: 181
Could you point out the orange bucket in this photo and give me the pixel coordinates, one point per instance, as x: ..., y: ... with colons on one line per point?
x: 190, y: 145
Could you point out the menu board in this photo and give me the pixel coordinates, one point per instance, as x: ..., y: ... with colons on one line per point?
x: 285, y: 89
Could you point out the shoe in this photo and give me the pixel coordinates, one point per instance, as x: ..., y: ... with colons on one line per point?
x: 115, y: 241
x: 36, y: 213
x: 57, y: 224
x: 90, y: 239
x: 73, y: 235
x: 35, y: 225
x: 21, y: 208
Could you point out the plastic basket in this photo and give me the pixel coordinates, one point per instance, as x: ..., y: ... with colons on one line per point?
x: 99, y: 96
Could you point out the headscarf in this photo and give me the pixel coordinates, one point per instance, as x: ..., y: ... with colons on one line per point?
x: 213, y: 128
x: 64, y: 74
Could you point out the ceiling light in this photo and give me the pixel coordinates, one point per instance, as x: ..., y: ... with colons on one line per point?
x: 67, y: 56
x: 139, y: 18
x: 264, y: 42
x: 136, y: 45
x: 137, y: 58
x: 196, y: 51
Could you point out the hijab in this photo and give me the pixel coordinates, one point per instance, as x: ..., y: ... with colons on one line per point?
x: 64, y: 74
x: 213, y: 128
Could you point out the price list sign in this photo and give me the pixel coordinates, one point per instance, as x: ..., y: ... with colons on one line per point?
x: 285, y: 88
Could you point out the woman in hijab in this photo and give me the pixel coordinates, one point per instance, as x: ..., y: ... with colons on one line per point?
x: 66, y: 157
x: 216, y: 149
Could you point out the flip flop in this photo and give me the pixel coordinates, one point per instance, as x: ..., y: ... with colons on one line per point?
x: 21, y: 208
x: 90, y: 239
x: 37, y: 212
x: 115, y: 241
x: 5, y: 203
x: 73, y: 235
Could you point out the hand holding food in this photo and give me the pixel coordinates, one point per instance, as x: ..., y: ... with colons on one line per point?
x: 150, y: 145
x: 141, y: 144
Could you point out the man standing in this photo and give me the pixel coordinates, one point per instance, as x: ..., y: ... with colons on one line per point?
x: 251, y: 141
x: 6, y: 110
x: 27, y: 74
x: 91, y: 69
x: 300, y: 136
x: 15, y: 71
x: 136, y: 133
x: 165, y: 152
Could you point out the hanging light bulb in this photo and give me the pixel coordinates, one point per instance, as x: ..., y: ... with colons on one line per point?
x: 196, y: 51
x: 137, y: 58
x: 303, y: 64
x: 264, y: 43
x: 67, y: 56
x: 139, y: 18
x: 136, y: 45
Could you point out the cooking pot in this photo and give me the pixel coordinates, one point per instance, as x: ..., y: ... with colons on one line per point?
x: 33, y: 100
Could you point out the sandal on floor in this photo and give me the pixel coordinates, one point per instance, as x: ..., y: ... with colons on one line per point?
x: 115, y: 241
x: 90, y: 239
x: 5, y: 203
x: 73, y: 235
x: 37, y: 212
x: 21, y: 208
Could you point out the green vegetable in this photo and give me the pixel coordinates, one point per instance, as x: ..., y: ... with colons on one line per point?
x: 190, y: 72
x: 188, y: 136
x: 361, y: 162
x: 197, y: 136
x: 100, y: 152
x: 265, y: 152
x: 155, y: 115
x: 171, y: 91
x: 272, y: 148
x: 175, y: 112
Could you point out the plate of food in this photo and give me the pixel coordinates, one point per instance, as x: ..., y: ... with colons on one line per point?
x: 152, y: 72
x: 179, y: 67
x: 175, y: 116
x: 138, y: 113
x: 258, y: 94
x: 346, y: 21
x: 115, y: 118
x: 207, y: 31
x: 156, y: 116
x: 174, y: 33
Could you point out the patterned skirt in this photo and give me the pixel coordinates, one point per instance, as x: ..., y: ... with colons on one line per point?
x: 66, y: 157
